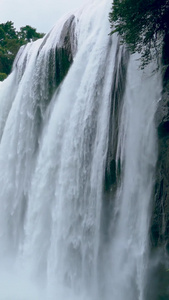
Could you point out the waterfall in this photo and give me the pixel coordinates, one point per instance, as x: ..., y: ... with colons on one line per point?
x: 77, y: 159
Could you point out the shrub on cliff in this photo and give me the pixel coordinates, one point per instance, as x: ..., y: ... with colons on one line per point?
x: 141, y: 24
x: 2, y: 76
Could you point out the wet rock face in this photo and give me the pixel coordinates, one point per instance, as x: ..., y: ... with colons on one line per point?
x: 165, y: 60
x: 61, y: 58
x: 65, y: 50
x: 51, y: 66
x: 159, y: 231
x: 113, y: 167
x: 58, y: 60
x: 160, y: 218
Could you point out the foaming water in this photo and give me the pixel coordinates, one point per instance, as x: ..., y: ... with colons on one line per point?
x: 137, y: 151
x: 53, y: 153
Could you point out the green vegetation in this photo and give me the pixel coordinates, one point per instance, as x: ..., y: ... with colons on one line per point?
x: 10, y: 42
x: 142, y: 25
x: 2, y: 76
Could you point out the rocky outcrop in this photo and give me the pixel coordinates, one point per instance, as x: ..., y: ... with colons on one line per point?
x: 65, y: 50
x: 159, y: 231
x: 61, y: 57
x: 113, y: 168
x: 160, y: 218
x: 52, y: 63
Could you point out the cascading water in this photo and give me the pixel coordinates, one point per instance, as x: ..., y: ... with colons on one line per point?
x: 136, y: 151
x: 64, y: 232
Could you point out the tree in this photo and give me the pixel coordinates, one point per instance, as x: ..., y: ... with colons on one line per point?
x: 29, y: 34
x: 10, y: 31
x: 10, y: 42
x: 142, y: 25
x: 9, y: 46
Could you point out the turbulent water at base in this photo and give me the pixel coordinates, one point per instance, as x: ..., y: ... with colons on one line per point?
x: 65, y: 232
